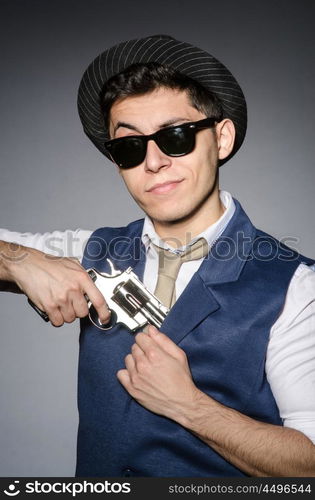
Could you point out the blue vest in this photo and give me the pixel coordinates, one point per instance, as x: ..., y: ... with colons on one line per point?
x: 222, y: 321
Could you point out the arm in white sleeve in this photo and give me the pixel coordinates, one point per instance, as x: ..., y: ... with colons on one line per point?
x: 290, y: 363
x: 58, y: 243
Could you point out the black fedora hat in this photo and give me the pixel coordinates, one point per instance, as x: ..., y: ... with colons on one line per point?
x: 181, y: 56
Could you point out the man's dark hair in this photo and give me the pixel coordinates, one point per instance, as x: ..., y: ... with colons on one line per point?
x: 141, y: 78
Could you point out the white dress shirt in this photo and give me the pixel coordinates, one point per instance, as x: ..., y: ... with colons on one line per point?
x: 290, y: 361
x: 187, y: 269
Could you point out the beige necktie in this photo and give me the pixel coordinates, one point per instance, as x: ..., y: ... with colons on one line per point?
x: 169, y: 265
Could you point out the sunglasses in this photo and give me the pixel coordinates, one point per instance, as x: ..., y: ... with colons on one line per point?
x: 130, y: 151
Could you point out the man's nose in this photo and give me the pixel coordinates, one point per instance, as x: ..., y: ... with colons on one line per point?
x: 155, y: 158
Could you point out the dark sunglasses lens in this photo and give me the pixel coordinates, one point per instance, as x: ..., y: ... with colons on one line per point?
x: 128, y: 152
x: 177, y: 141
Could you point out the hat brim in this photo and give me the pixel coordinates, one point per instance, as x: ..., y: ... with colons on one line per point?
x: 181, y: 56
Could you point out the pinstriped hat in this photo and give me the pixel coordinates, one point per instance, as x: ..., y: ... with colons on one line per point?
x: 181, y: 56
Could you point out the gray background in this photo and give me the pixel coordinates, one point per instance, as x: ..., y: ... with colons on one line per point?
x: 52, y: 177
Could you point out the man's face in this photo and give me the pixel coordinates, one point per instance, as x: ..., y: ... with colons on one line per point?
x: 168, y: 189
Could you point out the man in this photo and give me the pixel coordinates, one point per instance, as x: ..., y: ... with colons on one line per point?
x: 198, y: 398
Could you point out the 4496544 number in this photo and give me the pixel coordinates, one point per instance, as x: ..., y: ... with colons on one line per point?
x: 287, y: 488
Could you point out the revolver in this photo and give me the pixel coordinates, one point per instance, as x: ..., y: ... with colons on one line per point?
x: 129, y: 301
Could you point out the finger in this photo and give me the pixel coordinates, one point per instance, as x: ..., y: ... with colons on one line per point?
x: 68, y: 312
x: 97, y: 300
x: 145, y: 342
x: 163, y: 341
x: 137, y: 352
x: 80, y: 306
x: 124, y: 379
x: 56, y: 317
x: 130, y: 363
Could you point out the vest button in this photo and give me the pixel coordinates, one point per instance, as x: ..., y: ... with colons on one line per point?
x: 127, y: 472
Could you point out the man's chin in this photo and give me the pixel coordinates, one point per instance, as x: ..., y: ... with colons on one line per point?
x: 168, y: 219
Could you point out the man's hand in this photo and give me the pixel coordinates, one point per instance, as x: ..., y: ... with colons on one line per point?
x: 157, y: 375
x: 55, y: 285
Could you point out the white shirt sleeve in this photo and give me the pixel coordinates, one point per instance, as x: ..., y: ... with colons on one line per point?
x: 290, y: 363
x: 58, y: 243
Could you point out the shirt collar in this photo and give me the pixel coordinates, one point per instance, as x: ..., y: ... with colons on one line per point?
x: 211, y: 234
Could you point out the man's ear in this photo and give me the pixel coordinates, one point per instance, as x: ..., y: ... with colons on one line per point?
x: 225, y: 131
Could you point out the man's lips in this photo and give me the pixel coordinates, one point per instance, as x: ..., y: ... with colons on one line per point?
x: 164, y: 187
